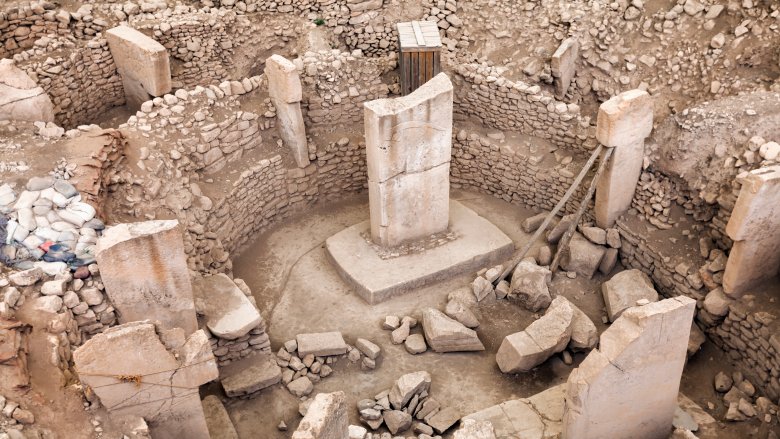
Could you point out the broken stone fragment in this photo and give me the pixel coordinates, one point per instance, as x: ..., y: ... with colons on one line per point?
x: 415, y: 344
x: 522, y: 351
x: 368, y: 348
x: 584, y: 334
x: 530, y: 286
x: 625, y: 289
x: 229, y: 313
x: 250, y: 375
x: 460, y: 312
x: 444, y: 334
x: 582, y: 257
x: 530, y: 224
x: 442, y: 420
x: 321, y: 344
x: 407, y: 386
x: 473, y: 429
x: 326, y: 418
x: 300, y: 387
x: 397, y: 421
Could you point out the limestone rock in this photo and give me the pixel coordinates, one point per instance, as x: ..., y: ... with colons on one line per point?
x: 582, y: 256
x: 397, y: 421
x: 250, y: 375
x: 522, y: 351
x: 321, y: 344
x: 407, y: 386
x: 460, y: 312
x: 584, y: 334
x: 530, y: 286
x: 415, y: 344
x: 20, y: 97
x: 217, y: 419
x: 300, y: 387
x: 326, y: 418
x: 625, y: 289
x: 472, y: 429
x: 444, y: 334
x: 229, y: 313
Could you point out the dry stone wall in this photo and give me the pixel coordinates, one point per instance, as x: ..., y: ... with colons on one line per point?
x: 500, y: 103
x: 336, y: 84
x: 82, y: 80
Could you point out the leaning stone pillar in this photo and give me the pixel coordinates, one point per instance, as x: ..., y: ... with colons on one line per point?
x: 408, y: 148
x: 628, y: 387
x: 755, y: 228
x: 623, y: 123
x: 144, y: 269
x: 284, y: 86
x: 564, y: 65
x: 142, y: 62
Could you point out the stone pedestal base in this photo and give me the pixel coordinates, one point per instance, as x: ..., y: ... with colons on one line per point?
x: 472, y: 242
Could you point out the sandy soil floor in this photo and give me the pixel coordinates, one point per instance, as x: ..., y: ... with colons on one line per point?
x: 298, y: 291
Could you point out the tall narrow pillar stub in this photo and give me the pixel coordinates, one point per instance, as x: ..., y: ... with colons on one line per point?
x: 755, y: 228
x: 408, y: 149
x: 143, y: 64
x: 623, y: 123
x: 564, y: 64
x: 284, y: 87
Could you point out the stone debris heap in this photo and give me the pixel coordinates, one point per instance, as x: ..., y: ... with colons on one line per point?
x: 309, y: 358
x: 406, y: 405
x: 47, y: 221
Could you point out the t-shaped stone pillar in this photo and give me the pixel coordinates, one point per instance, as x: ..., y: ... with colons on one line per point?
x: 284, y: 86
x: 408, y: 148
x: 755, y: 228
x: 142, y: 62
x: 623, y: 123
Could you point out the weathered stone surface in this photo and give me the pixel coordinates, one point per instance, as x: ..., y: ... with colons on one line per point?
x: 368, y: 348
x: 524, y: 350
x: 284, y: 82
x: 407, y: 386
x: 623, y: 123
x: 457, y: 310
x: 326, y: 418
x: 301, y: 386
x: 144, y: 269
x: 625, y: 289
x: 135, y: 349
x: 415, y: 344
x: 397, y: 421
x: 321, y: 344
x: 563, y: 65
x: 717, y: 303
x: 142, y: 62
x: 530, y: 224
x: 250, y: 375
x: 584, y: 334
x: 26, y: 278
x: 284, y: 87
x: 444, y: 419
x: 408, y: 149
x: 229, y: 313
x: 582, y: 257
x: 754, y: 226
x: 444, y: 334
x: 472, y: 429
x: 530, y: 285
x: 20, y: 97
x: 217, y: 418
x: 635, y: 372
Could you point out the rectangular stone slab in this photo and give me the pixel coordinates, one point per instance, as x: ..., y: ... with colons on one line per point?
x: 140, y: 58
x: 321, y: 344
x: 479, y: 243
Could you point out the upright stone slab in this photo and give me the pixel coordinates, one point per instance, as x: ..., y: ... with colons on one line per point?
x: 564, y: 64
x: 408, y: 147
x: 20, y: 97
x: 144, y: 269
x: 326, y: 418
x: 628, y: 387
x: 134, y: 372
x: 755, y: 228
x: 623, y: 123
x: 142, y: 62
x: 284, y: 86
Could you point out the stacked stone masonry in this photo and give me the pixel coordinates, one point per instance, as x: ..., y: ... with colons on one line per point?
x: 82, y: 82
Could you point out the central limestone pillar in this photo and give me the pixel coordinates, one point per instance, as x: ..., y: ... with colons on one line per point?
x: 408, y: 149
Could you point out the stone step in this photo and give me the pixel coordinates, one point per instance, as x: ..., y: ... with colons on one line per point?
x: 250, y: 375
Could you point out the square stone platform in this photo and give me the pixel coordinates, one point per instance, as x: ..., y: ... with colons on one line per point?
x: 477, y: 244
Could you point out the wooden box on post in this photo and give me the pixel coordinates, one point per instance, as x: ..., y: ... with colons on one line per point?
x: 419, y: 43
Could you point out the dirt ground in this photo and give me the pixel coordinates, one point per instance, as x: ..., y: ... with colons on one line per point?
x: 298, y: 291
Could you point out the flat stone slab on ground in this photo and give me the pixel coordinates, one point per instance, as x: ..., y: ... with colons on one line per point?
x: 444, y: 334
x: 217, y: 419
x: 229, y: 313
x: 250, y: 375
x: 479, y: 243
x: 321, y: 344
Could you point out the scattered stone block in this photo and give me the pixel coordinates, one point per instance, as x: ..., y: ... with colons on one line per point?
x: 522, y: 351
x: 530, y: 224
x: 625, y: 289
x: 321, y: 344
x: 583, y: 257
x: 407, y: 386
x: 301, y: 386
x: 530, y: 286
x: 250, y: 375
x: 326, y: 418
x: 415, y: 344
x: 584, y: 334
x: 229, y: 313
x: 397, y: 421
x: 442, y: 420
x: 217, y: 418
x: 460, y: 312
x: 444, y: 334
